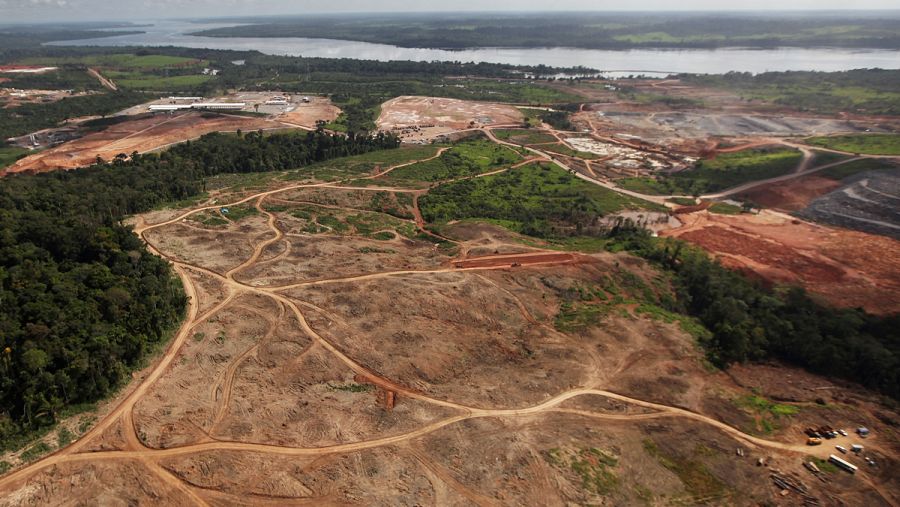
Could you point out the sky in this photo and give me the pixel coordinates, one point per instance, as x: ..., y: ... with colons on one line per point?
x: 90, y: 10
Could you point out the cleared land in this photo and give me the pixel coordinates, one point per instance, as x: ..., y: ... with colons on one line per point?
x: 424, y: 118
x: 326, y: 365
x: 308, y: 113
x: 336, y: 351
x: 871, y: 144
x: 144, y: 134
x: 830, y: 262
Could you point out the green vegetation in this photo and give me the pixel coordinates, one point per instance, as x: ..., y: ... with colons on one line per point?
x: 142, y: 81
x: 872, y: 91
x: 83, y: 300
x: 649, y: 186
x: 593, y: 466
x: 9, y: 155
x: 372, y: 224
x: 725, y: 171
x: 352, y: 388
x: 468, y: 158
x: 821, y: 158
x: 28, y: 118
x: 584, y: 30
x: 849, y: 169
x: 723, y: 208
x: 767, y: 415
x: 238, y: 213
x: 698, y: 481
x: 748, y: 321
x: 64, y: 437
x: 824, y: 465
x: 35, y: 451
x: 143, y: 61
x: 537, y: 199
x: 869, y: 144
x: 366, y: 163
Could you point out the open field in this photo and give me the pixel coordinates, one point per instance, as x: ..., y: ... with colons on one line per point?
x: 869, y: 144
x: 829, y: 262
x: 336, y: 351
x: 424, y: 118
x: 307, y: 114
x: 144, y: 134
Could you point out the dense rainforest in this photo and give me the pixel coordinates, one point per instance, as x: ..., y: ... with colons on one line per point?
x: 81, y: 299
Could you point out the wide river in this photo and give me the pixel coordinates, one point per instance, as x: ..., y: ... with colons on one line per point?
x: 616, y: 63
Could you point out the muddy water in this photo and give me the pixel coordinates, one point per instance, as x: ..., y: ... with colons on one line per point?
x: 615, y: 63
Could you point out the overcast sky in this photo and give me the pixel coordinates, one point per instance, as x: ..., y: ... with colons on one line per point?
x: 80, y: 10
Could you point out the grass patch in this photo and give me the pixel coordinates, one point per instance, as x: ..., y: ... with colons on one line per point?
x: 576, y: 316
x: 144, y: 81
x: 648, y: 186
x: 725, y: 171
x: 869, y: 144
x: 64, y: 437
x: 10, y: 154
x: 538, y: 199
x: 824, y: 465
x: 240, y: 212
x: 821, y: 158
x: 767, y: 415
x: 383, y: 236
x: 593, y: 466
x: 849, y: 169
x: 371, y: 249
x: 35, y: 451
x: 468, y: 158
x: 352, y: 388
x: 723, y: 208
x: 367, y: 163
x: 682, y: 201
x: 689, y: 325
x: 699, y: 482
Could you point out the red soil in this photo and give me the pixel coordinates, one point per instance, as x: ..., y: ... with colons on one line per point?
x: 845, y: 268
x: 792, y: 195
x: 518, y: 260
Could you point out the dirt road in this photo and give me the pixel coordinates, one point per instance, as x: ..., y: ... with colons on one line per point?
x: 103, y: 81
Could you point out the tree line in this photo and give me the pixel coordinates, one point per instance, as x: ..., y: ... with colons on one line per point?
x: 750, y: 322
x: 81, y: 299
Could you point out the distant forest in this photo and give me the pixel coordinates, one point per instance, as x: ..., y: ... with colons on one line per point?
x: 586, y: 30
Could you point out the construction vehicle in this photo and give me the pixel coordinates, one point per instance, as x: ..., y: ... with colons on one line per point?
x: 814, y: 441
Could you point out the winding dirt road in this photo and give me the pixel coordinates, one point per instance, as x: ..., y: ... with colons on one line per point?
x: 136, y: 449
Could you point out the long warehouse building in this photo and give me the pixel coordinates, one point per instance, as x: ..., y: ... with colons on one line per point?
x: 216, y: 106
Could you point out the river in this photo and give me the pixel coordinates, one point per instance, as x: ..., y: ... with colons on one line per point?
x: 612, y: 63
